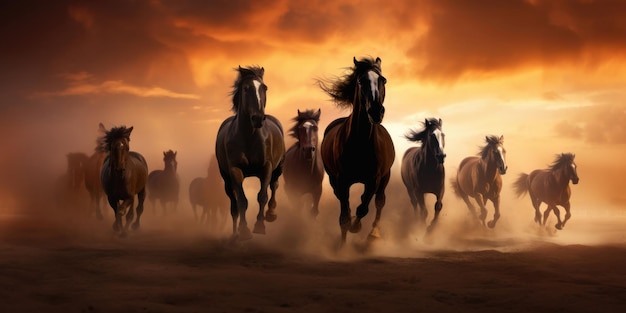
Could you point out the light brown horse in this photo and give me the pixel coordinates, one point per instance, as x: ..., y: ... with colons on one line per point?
x: 250, y: 144
x: 357, y: 148
x: 207, y: 192
x: 303, y: 169
x: 422, y: 169
x: 551, y: 186
x: 479, y: 177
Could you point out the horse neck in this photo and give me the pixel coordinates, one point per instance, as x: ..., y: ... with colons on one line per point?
x: 242, y: 121
x: 428, y: 153
x: 490, y: 167
x: 560, y: 177
x: 169, y: 168
x: 359, y: 124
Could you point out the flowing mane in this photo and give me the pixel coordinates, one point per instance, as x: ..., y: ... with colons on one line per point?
x: 491, y: 141
x: 342, y: 89
x: 563, y: 159
x: 104, y: 142
x: 419, y: 135
x: 252, y: 72
x: 301, y: 118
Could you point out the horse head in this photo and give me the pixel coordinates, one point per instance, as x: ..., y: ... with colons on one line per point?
x: 498, y: 152
x: 437, y: 140
x: 371, y: 88
x: 306, y: 132
x: 249, y: 95
x: 169, y: 158
x: 116, y: 143
x: 572, y: 168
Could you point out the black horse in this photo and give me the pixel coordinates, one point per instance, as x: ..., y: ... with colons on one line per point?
x: 124, y: 175
x: 250, y: 143
x: 422, y: 168
x: 164, y: 184
x: 357, y: 148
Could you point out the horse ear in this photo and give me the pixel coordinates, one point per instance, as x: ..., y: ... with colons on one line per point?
x: 440, y: 122
x: 175, y: 152
x: 129, y: 130
x: 318, y: 114
x: 502, y: 138
x: 355, y: 61
x: 262, y: 71
x: 299, y: 112
x: 101, y: 128
x: 164, y: 153
x: 426, y: 123
x: 378, y: 61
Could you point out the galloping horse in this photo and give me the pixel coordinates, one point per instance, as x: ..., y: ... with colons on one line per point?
x: 250, y: 143
x: 205, y: 192
x: 550, y: 186
x: 422, y: 168
x: 357, y: 148
x: 124, y: 175
x: 303, y: 168
x: 164, y: 184
x: 480, y: 178
x: 93, y: 183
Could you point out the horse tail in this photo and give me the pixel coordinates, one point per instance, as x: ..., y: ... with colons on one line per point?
x: 456, y: 187
x: 521, y: 185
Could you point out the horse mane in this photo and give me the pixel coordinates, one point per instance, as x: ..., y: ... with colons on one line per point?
x: 428, y: 125
x: 244, y: 73
x: 491, y: 141
x: 104, y: 142
x: 301, y: 118
x: 341, y: 89
x: 563, y: 159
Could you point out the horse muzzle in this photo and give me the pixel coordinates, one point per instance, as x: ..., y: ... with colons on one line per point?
x: 376, y: 115
x: 441, y: 158
x: 503, y: 170
x: 257, y: 120
x: 575, y: 180
x: 308, y: 152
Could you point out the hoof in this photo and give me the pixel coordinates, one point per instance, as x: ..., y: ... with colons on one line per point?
x: 244, y: 234
x: 356, y: 226
x: 374, y: 234
x: 491, y: 224
x: 270, y: 217
x: 558, y: 226
x: 135, y: 226
x: 259, y: 228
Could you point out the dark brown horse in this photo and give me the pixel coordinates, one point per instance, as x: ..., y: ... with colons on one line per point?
x: 93, y: 184
x: 124, y: 175
x: 207, y: 192
x: 550, y: 186
x: 250, y: 143
x: 357, y: 148
x: 422, y: 168
x: 479, y: 177
x: 303, y: 168
x: 164, y: 185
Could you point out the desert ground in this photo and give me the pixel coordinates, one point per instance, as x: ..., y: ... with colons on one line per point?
x: 65, y: 260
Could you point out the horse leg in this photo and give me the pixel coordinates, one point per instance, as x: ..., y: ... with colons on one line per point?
x: 536, y: 204
x: 423, y: 212
x: 342, y: 192
x: 546, y: 213
x: 566, y: 206
x: 469, y: 204
x: 496, y: 214
x: 234, y: 210
x: 130, y: 213
x: 141, y: 196
x: 117, y: 224
x: 363, y: 208
x: 481, y: 204
x: 271, y: 215
x: 96, y: 200
x: 438, y: 206
x: 317, y: 195
x: 163, y: 206
x: 381, y: 198
x: 241, y: 201
x: 559, y: 224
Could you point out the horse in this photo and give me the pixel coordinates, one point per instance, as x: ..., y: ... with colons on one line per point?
x: 480, y: 177
x: 164, y: 184
x: 250, y: 144
x: 204, y: 192
x: 93, y: 183
x: 422, y: 168
x: 357, y: 148
x: 124, y: 174
x: 69, y: 184
x: 303, y: 170
x: 551, y: 186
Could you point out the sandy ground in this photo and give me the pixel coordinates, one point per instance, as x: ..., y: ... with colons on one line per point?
x: 54, y: 262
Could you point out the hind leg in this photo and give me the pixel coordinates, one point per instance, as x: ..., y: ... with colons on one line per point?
x: 481, y: 204
x: 537, y: 205
x: 559, y: 224
x: 141, y: 196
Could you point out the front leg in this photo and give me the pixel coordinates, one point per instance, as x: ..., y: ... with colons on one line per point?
x: 496, y: 214
x: 236, y: 180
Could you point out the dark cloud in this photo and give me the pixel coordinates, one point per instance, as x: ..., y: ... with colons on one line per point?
x: 491, y: 36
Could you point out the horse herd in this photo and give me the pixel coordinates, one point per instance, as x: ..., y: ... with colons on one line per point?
x: 354, y: 149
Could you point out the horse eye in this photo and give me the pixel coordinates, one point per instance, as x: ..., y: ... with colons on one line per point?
x: 383, y: 80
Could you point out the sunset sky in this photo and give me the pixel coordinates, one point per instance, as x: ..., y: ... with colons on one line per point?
x: 547, y: 74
